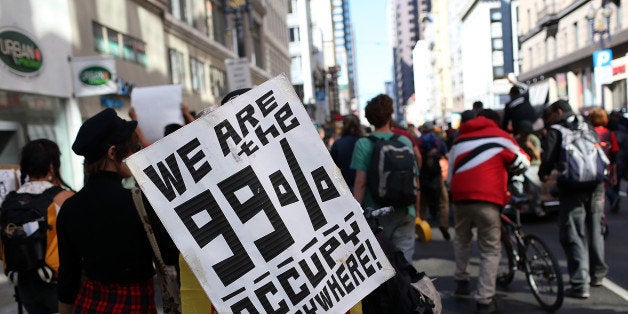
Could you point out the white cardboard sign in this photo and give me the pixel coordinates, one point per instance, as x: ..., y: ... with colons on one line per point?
x: 258, y: 209
x: 156, y: 107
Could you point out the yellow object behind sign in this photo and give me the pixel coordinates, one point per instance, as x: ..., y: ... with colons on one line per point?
x: 423, y: 230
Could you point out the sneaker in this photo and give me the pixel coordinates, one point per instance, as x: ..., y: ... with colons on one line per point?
x: 462, y: 287
x: 577, y: 293
x: 445, y: 232
x: 490, y: 307
x: 597, y: 282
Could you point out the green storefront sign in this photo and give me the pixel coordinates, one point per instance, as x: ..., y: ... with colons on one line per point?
x: 20, y: 53
x: 95, y: 76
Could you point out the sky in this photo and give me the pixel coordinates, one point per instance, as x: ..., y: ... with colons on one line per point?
x: 373, y: 53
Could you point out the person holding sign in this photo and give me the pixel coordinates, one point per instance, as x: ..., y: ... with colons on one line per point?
x: 399, y: 227
x: 106, y: 261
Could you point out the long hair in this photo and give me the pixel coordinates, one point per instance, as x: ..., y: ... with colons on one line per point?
x: 129, y: 145
x: 37, y: 157
x: 351, y: 125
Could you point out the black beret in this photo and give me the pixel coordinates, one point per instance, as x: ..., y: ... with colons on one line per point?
x: 233, y: 94
x: 100, y: 132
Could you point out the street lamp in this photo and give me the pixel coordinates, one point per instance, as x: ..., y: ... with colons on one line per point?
x: 599, y: 24
x: 238, y: 8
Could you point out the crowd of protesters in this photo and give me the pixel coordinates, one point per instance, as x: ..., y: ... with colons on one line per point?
x: 463, y: 170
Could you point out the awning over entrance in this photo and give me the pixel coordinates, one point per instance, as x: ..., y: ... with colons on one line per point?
x: 538, y: 92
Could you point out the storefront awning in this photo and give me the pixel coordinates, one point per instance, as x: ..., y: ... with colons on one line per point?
x: 538, y: 92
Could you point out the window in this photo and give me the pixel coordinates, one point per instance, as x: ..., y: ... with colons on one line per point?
x: 294, y: 35
x: 218, y: 80
x: 216, y: 20
x: 292, y: 5
x: 113, y: 42
x: 177, y: 67
x: 182, y: 10
x: 576, y: 39
x: 197, y: 74
x: 258, y: 52
x: 119, y: 45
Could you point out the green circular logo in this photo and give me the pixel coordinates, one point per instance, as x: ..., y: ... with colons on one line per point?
x: 20, y: 53
x: 94, y: 76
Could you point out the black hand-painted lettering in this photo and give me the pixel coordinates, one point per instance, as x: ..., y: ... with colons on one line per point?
x: 171, y: 178
x: 244, y: 115
x: 248, y: 148
x: 284, y: 280
x: 344, y: 279
x: 335, y: 288
x: 244, y: 306
x: 246, y: 183
x: 325, y: 186
x: 263, y: 135
x: 262, y: 295
x: 354, y: 269
x: 283, y: 115
x: 364, y: 260
x: 189, y: 162
x: 224, y: 131
x: 353, y: 236
x: 232, y: 268
x: 314, y: 278
x: 311, y: 204
x: 370, y: 247
x: 310, y: 309
x: 267, y: 103
x: 323, y: 299
x: 329, y: 247
x: 284, y: 191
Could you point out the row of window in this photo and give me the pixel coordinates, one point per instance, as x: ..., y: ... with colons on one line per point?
x: 111, y: 42
x: 217, y: 77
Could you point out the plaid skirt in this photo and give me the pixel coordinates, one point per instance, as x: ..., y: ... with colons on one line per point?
x: 115, y: 298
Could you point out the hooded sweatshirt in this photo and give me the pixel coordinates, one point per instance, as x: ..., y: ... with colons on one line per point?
x: 479, y: 161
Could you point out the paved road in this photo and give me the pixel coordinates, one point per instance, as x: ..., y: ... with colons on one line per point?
x: 436, y: 259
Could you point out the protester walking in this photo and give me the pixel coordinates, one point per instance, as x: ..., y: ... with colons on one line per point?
x: 399, y: 225
x: 581, y: 201
x: 28, y: 221
x: 342, y: 149
x: 106, y: 261
x: 479, y: 162
x: 610, y: 146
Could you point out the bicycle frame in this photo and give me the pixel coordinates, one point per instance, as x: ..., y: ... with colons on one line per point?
x: 511, y: 230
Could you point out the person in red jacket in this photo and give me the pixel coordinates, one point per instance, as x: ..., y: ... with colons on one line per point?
x: 479, y: 162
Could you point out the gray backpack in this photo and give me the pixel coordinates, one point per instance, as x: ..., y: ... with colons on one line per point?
x: 582, y: 160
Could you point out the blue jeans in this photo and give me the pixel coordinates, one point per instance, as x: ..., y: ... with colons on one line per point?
x: 580, y: 229
x: 399, y: 229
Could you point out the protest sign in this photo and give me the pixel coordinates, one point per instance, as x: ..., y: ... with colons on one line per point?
x: 156, y: 107
x: 259, y: 211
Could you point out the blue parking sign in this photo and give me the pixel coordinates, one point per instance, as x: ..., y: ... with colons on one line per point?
x: 602, y: 58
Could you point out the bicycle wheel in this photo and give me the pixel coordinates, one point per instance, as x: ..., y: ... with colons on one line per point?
x: 543, y: 273
x: 507, y: 262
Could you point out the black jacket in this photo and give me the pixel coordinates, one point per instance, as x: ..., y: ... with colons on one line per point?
x: 517, y: 110
x: 102, y: 237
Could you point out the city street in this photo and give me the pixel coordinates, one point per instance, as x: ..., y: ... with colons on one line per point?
x: 436, y: 260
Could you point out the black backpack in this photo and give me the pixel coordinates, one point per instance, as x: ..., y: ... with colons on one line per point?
x: 22, y: 251
x: 391, y: 178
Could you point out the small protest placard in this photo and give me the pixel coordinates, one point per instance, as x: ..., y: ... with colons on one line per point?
x: 156, y: 107
x: 258, y: 209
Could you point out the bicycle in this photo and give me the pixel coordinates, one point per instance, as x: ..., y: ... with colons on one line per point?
x: 528, y: 253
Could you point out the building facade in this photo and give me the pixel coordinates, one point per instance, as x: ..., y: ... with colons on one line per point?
x: 558, y: 39
x: 483, y: 63
x: 345, y: 58
x: 404, y: 26
x: 154, y: 42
